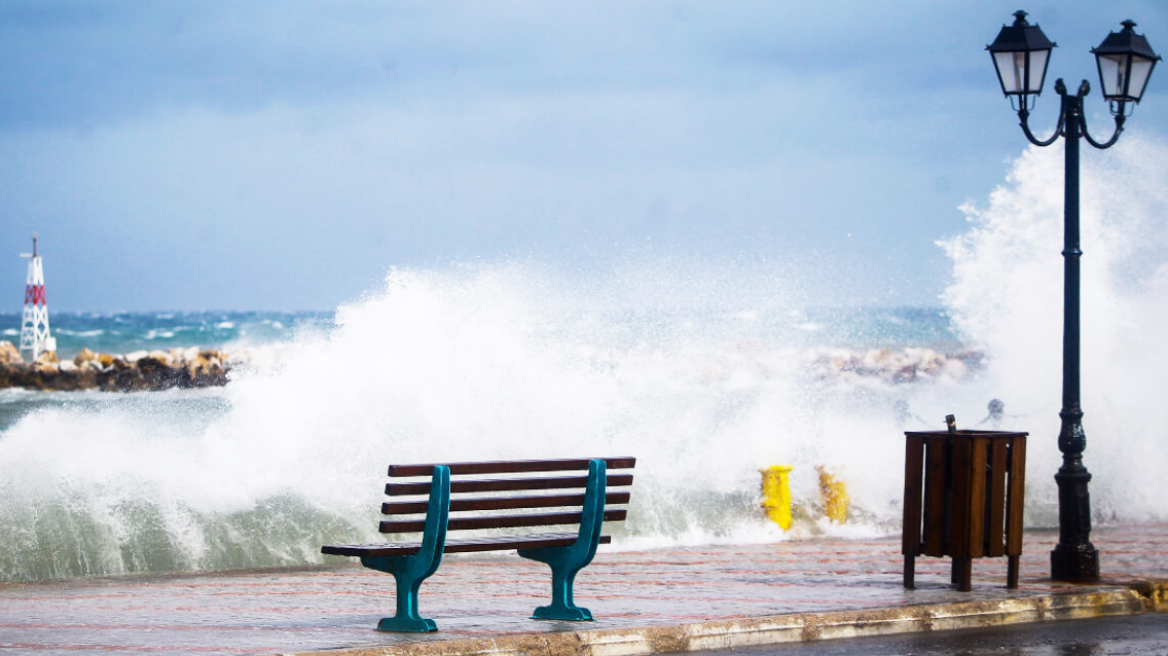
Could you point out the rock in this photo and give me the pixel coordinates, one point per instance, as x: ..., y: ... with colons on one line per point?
x: 46, y: 376
x: 83, y: 356
x: 206, y: 372
x: 907, y: 365
x: 135, y: 356
x: 157, y: 374
x: 879, y: 359
x: 161, y: 356
x: 955, y: 369
x: 67, y: 379
x: 9, y: 354
x: 906, y: 374
x: 87, y: 377
x: 131, y: 380
x: 22, y: 375
x: 48, y: 357
x: 107, y: 379
x: 105, y: 359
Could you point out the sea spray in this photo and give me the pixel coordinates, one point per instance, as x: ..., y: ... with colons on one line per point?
x: 1007, y: 297
x: 701, y: 371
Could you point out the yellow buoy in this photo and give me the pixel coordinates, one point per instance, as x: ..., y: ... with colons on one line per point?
x: 834, y: 494
x: 776, y: 494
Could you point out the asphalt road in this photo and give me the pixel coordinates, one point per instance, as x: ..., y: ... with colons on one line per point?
x: 1137, y: 635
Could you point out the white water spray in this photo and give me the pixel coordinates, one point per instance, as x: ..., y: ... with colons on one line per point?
x: 704, y: 371
x: 1007, y: 297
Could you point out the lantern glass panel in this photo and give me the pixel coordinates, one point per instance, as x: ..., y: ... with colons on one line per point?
x: 1037, y: 70
x: 1113, y: 74
x: 1140, y: 70
x: 1012, y: 69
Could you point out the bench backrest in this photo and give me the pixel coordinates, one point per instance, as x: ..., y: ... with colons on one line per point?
x: 493, y: 495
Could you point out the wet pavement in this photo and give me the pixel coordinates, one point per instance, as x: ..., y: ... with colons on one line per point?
x: 657, y: 596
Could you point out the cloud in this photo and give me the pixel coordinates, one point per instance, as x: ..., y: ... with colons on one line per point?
x: 323, y: 143
x: 78, y: 62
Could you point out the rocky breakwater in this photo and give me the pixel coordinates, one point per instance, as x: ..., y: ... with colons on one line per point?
x: 907, y: 365
x: 138, y: 371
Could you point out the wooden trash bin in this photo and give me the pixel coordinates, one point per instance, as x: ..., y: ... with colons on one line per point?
x: 963, y: 498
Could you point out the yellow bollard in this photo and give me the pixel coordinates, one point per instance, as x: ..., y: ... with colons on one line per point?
x: 776, y: 494
x: 834, y: 494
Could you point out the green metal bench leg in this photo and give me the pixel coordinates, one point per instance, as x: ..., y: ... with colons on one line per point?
x: 566, y: 562
x: 563, y: 606
x: 407, y: 619
x: 409, y: 571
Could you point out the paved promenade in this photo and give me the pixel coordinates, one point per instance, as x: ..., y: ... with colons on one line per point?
x: 654, y: 601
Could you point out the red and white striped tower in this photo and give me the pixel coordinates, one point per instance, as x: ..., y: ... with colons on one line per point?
x: 34, y: 327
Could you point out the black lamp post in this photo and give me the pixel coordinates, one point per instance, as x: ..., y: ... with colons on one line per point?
x: 1021, y: 54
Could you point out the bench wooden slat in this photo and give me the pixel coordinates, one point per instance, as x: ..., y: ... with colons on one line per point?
x: 506, y: 484
x: 502, y: 503
x: 511, y: 466
x: 500, y: 521
x: 503, y: 542
x: 387, y: 549
x: 463, y: 545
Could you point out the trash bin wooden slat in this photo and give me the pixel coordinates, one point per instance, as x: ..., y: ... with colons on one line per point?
x: 914, y: 464
x: 935, y: 514
x: 996, y: 540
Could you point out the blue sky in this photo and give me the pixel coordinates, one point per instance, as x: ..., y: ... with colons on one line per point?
x: 284, y: 155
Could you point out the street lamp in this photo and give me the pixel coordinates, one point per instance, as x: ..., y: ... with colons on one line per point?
x: 1021, y: 54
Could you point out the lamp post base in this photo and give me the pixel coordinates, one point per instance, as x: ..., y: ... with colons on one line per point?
x: 1074, y: 559
x: 1078, y: 563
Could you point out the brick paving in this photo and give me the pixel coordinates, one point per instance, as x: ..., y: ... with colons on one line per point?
x: 487, y: 596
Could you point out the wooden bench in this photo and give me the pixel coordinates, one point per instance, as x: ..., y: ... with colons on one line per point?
x: 490, y: 498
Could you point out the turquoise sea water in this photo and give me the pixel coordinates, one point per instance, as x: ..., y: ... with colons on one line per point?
x: 128, y: 332
x: 854, y: 327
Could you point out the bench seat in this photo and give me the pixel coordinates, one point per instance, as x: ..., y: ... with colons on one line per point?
x: 462, y: 545
x: 490, y: 498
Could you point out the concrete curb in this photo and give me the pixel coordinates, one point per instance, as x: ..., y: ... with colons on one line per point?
x: 1153, y: 591
x: 1136, y: 597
